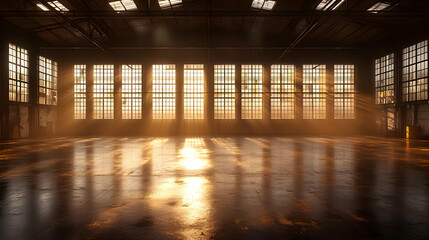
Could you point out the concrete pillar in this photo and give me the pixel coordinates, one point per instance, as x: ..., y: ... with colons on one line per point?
x: 329, y: 92
x: 298, y: 91
x: 266, y: 92
x: 238, y: 92
x: 147, y: 92
x: 4, y: 89
x: 179, y: 94
x: 117, y: 106
x: 209, y: 93
x: 400, y: 110
x: 33, y: 74
x: 89, y: 91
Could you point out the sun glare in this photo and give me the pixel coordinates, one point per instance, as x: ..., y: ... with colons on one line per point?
x: 194, y: 154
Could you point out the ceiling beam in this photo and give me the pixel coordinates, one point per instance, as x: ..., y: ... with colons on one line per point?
x: 73, y: 24
x: 297, y: 40
x: 189, y: 14
x: 212, y: 48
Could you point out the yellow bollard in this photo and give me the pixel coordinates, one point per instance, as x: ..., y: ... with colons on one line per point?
x: 407, y: 132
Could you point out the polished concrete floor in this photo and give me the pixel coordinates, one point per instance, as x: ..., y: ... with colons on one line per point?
x: 214, y: 188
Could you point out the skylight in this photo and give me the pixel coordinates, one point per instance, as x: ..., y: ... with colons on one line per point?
x: 164, y: 4
x: 380, y: 6
x: 263, y: 4
x: 123, y: 5
x: 58, y: 6
x: 331, y: 5
x: 55, y: 4
x: 41, y: 6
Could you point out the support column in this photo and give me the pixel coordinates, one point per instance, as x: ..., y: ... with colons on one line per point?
x: 209, y: 93
x: 329, y: 92
x: 179, y: 95
x: 266, y: 92
x: 33, y: 107
x: 89, y: 91
x: 4, y: 90
x: 117, y: 106
x: 147, y: 92
x: 298, y: 92
x: 238, y: 92
x: 400, y: 120
x: 65, y: 107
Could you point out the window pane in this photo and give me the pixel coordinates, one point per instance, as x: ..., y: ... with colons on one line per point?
x: 47, y: 81
x: 282, y: 91
x: 18, y: 74
x: 344, y: 92
x: 384, y: 79
x: 314, y: 91
x: 164, y: 91
x: 251, y: 91
x: 79, y: 91
x: 131, y: 91
x: 103, y: 92
x: 224, y: 91
x: 415, y: 72
x: 194, y: 91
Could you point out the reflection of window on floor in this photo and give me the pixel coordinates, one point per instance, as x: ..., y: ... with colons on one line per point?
x: 224, y: 87
x: 79, y: 91
x: 415, y: 72
x: 47, y: 81
x: 282, y: 91
x: 314, y: 91
x: 194, y: 154
x: 344, y: 92
x: 251, y: 91
x: 164, y: 91
x: 384, y: 79
x: 131, y: 91
x: 193, y: 91
x: 103, y: 91
x: 391, y: 119
x: 18, y: 74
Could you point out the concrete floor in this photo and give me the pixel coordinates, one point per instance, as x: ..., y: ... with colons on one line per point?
x: 214, y: 188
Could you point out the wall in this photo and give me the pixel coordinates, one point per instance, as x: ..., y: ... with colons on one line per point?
x: 365, y: 116
x: 413, y: 115
x: 19, y: 120
x: 423, y: 119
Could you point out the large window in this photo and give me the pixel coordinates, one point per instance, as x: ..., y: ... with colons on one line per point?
x: 131, y: 91
x: 47, y: 81
x: 194, y: 91
x: 103, y: 92
x: 314, y: 91
x: 344, y: 92
x: 79, y: 91
x: 251, y: 91
x: 384, y: 79
x: 18, y: 74
x: 164, y: 91
x: 415, y: 72
x: 282, y: 91
x: 224, y: 91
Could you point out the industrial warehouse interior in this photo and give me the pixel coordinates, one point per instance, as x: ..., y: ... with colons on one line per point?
x: 214, y: 119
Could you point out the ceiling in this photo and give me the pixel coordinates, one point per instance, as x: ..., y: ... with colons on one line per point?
x: 219, y: 23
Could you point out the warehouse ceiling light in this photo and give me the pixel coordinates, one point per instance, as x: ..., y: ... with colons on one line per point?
x: 123, y: 5
x: 165, y: 4
x: 55, y: 4
x: 263, y: 4
x: 380, y: 6
x: 329, y: 5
